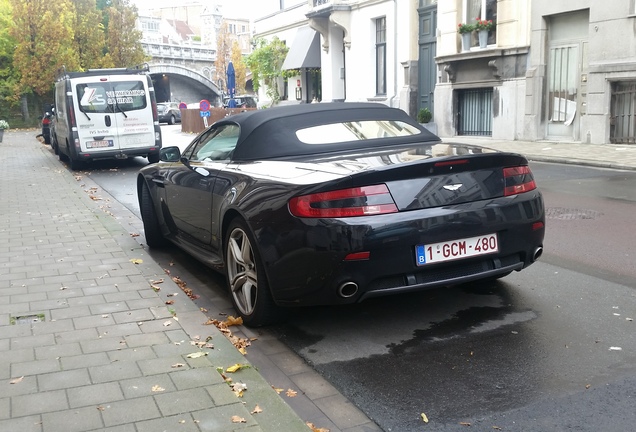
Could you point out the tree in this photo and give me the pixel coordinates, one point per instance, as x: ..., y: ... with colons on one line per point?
x: 240, y: 70
x: 89, y: 38
x: 42, y: 31
x: 8, y: 75
x: 265, y: 62
x: 123, y: 37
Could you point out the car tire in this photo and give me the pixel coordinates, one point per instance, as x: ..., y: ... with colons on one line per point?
x: 152, y: 229
x: 172, y: 120
x: 246, y: 278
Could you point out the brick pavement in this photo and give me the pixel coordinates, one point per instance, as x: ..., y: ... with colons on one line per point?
x: 86, y: 343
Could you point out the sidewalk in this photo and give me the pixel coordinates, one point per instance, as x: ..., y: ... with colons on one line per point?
x: 86, y: 342
x: 596, y: 155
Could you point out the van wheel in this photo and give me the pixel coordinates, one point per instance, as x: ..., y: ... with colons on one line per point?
x: 172, y: 120
x: 152, y: 230
x: 75, y: 164
x: 153, y: 158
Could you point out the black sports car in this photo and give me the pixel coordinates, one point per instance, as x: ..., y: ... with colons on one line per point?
x: 335, y: 203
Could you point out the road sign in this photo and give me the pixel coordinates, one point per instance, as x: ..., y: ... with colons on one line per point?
x: 183, y: 105
x: 204, y: 113
x: 204, y: 105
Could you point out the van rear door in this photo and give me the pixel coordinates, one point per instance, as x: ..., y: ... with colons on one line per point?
x: 114, y: 115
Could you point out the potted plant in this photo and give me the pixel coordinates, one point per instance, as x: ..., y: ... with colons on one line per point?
x: 3, y: 125
x: 483, y: 27
x: 424, y: 117
x: 465, y: 31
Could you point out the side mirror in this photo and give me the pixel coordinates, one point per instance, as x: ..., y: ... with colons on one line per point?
x: 170, y: 154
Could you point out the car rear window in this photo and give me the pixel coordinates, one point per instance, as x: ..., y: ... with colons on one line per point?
x: 355, y: 131
x: 110, y: 97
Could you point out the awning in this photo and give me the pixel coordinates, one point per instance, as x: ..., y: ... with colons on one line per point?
x: 305, y: 50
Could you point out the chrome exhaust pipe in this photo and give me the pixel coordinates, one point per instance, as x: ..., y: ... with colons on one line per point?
x: 348, y: 289
x: 537, y: 253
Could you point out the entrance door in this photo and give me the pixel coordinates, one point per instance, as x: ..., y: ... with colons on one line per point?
x: 428, y: 48
x: 566, y: 62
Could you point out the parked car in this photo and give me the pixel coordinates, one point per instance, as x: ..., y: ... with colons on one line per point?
x: 335, y: 203
x: 169, y: 112
x: 244, y: 101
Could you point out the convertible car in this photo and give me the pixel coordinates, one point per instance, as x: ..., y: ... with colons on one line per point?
x: 334, y: 203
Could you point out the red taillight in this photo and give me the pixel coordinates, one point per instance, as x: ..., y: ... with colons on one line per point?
x: 518, y: 180
x: 46, y: 121
x: 359, y: 201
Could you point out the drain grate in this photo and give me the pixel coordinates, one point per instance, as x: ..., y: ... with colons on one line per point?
x: 27, y: 319
x: 563, y: 213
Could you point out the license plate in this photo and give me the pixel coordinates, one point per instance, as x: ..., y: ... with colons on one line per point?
x: 456, y: 249
x: 99, y: 144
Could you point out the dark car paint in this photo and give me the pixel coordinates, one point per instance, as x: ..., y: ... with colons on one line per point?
x: 304, y: 257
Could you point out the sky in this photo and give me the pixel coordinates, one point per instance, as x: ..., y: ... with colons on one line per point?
x: 231, y: 8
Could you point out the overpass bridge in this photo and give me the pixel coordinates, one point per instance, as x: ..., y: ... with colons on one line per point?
x: 178, y: 83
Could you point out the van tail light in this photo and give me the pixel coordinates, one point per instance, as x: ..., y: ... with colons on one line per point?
x: 155, y: 115
x: 518, y: 180
x: 358, y: 201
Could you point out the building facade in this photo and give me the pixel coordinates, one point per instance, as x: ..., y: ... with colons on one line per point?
x: 547, y: 69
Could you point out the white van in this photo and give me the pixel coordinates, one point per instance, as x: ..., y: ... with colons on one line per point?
x: 105, y: 114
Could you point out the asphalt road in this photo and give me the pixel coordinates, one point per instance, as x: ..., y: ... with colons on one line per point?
x: 536, y: 351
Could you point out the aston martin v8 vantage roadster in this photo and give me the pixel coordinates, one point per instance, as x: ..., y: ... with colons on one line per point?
x: 334, y: 203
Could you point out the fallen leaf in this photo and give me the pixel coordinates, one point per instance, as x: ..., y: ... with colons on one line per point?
x: 155, y: 287
x: 171, y: 294
x: 134, y: 234
x: 157, y: 388
x: 496, y: 427
x: 587, y: 386
x: 424, y: 418
x: 615, y: 348
x: 231, y: 321
x: 101, y: 408
x: 178, y: 365
x: 237, y: 419
x: 278, y: 390
x: 182, y: 421
x: 167, y: 323
x: 236, y: 367
x: 315, y: 429
x: 291, y: 393
x: 169, y: 302
x: 136, y: 260
x: 17, y: 380
x: 197, y: 354
x: 238, y: 388
x: 465, y: 424
x: 256, y: 410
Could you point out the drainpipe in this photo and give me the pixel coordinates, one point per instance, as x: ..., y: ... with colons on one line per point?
x: 395, y: 62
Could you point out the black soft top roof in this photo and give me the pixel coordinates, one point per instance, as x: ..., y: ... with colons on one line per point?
x: 271, y: 133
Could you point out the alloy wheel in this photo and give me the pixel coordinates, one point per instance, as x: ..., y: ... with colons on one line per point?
x: 242, y: 272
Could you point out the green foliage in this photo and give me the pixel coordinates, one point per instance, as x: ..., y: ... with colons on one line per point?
x: 465, y: 28
x: 265, y: 62
x: 424, y: 115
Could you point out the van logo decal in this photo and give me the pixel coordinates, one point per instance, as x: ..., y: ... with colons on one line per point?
x: 90, y: 97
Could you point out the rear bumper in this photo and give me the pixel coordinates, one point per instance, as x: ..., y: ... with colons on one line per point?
x: 118, y: 154
x: 307, y: 265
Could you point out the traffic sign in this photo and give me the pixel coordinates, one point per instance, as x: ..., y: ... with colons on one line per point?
x: 204, y: 105
x: 183, y: 105
x: 204, y: 113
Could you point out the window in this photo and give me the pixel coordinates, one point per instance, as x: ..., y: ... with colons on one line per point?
x: 104, y: 97
x: 380, y: 56
x: 355, y: 131
x: 217, y: 144
x: 482, y: 9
